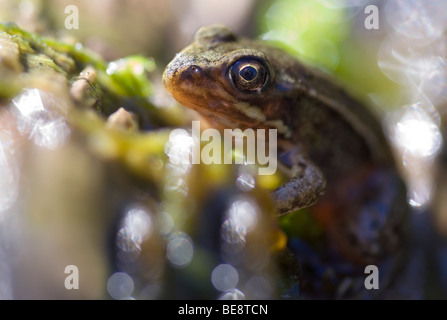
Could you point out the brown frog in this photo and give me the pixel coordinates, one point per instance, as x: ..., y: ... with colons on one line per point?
x: 341, y: 164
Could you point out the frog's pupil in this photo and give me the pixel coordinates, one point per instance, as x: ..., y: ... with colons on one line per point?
x: 248, y: 73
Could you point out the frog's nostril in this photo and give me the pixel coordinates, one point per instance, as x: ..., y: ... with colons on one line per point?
x: 192, y: 73
x: 194, y: 70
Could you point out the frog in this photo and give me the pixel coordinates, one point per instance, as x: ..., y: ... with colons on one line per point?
x: 332, y: 148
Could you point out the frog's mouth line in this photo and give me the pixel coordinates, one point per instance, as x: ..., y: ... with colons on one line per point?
x: 214, y: 105
x: 223, y: 119
x: 224, y: 113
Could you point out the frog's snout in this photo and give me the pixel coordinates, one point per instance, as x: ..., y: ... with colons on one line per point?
x: 173, y: 77
x: 169, y: 76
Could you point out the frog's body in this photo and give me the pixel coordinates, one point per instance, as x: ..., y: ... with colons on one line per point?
x: 334, y: 144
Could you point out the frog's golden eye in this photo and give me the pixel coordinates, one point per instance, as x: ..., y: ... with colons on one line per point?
x: 248, y: 75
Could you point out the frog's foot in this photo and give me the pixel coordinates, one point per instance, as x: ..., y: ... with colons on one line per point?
x: 306, y: 186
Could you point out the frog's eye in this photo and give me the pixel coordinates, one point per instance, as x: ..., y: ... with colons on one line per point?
x: 248, y: 75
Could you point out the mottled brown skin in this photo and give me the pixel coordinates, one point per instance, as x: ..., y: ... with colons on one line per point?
x: 343, y: 165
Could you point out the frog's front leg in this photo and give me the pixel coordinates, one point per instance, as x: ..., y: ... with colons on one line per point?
x: 304, y: 188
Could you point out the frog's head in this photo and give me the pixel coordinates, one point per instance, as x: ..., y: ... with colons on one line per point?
x: 226, y: 79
